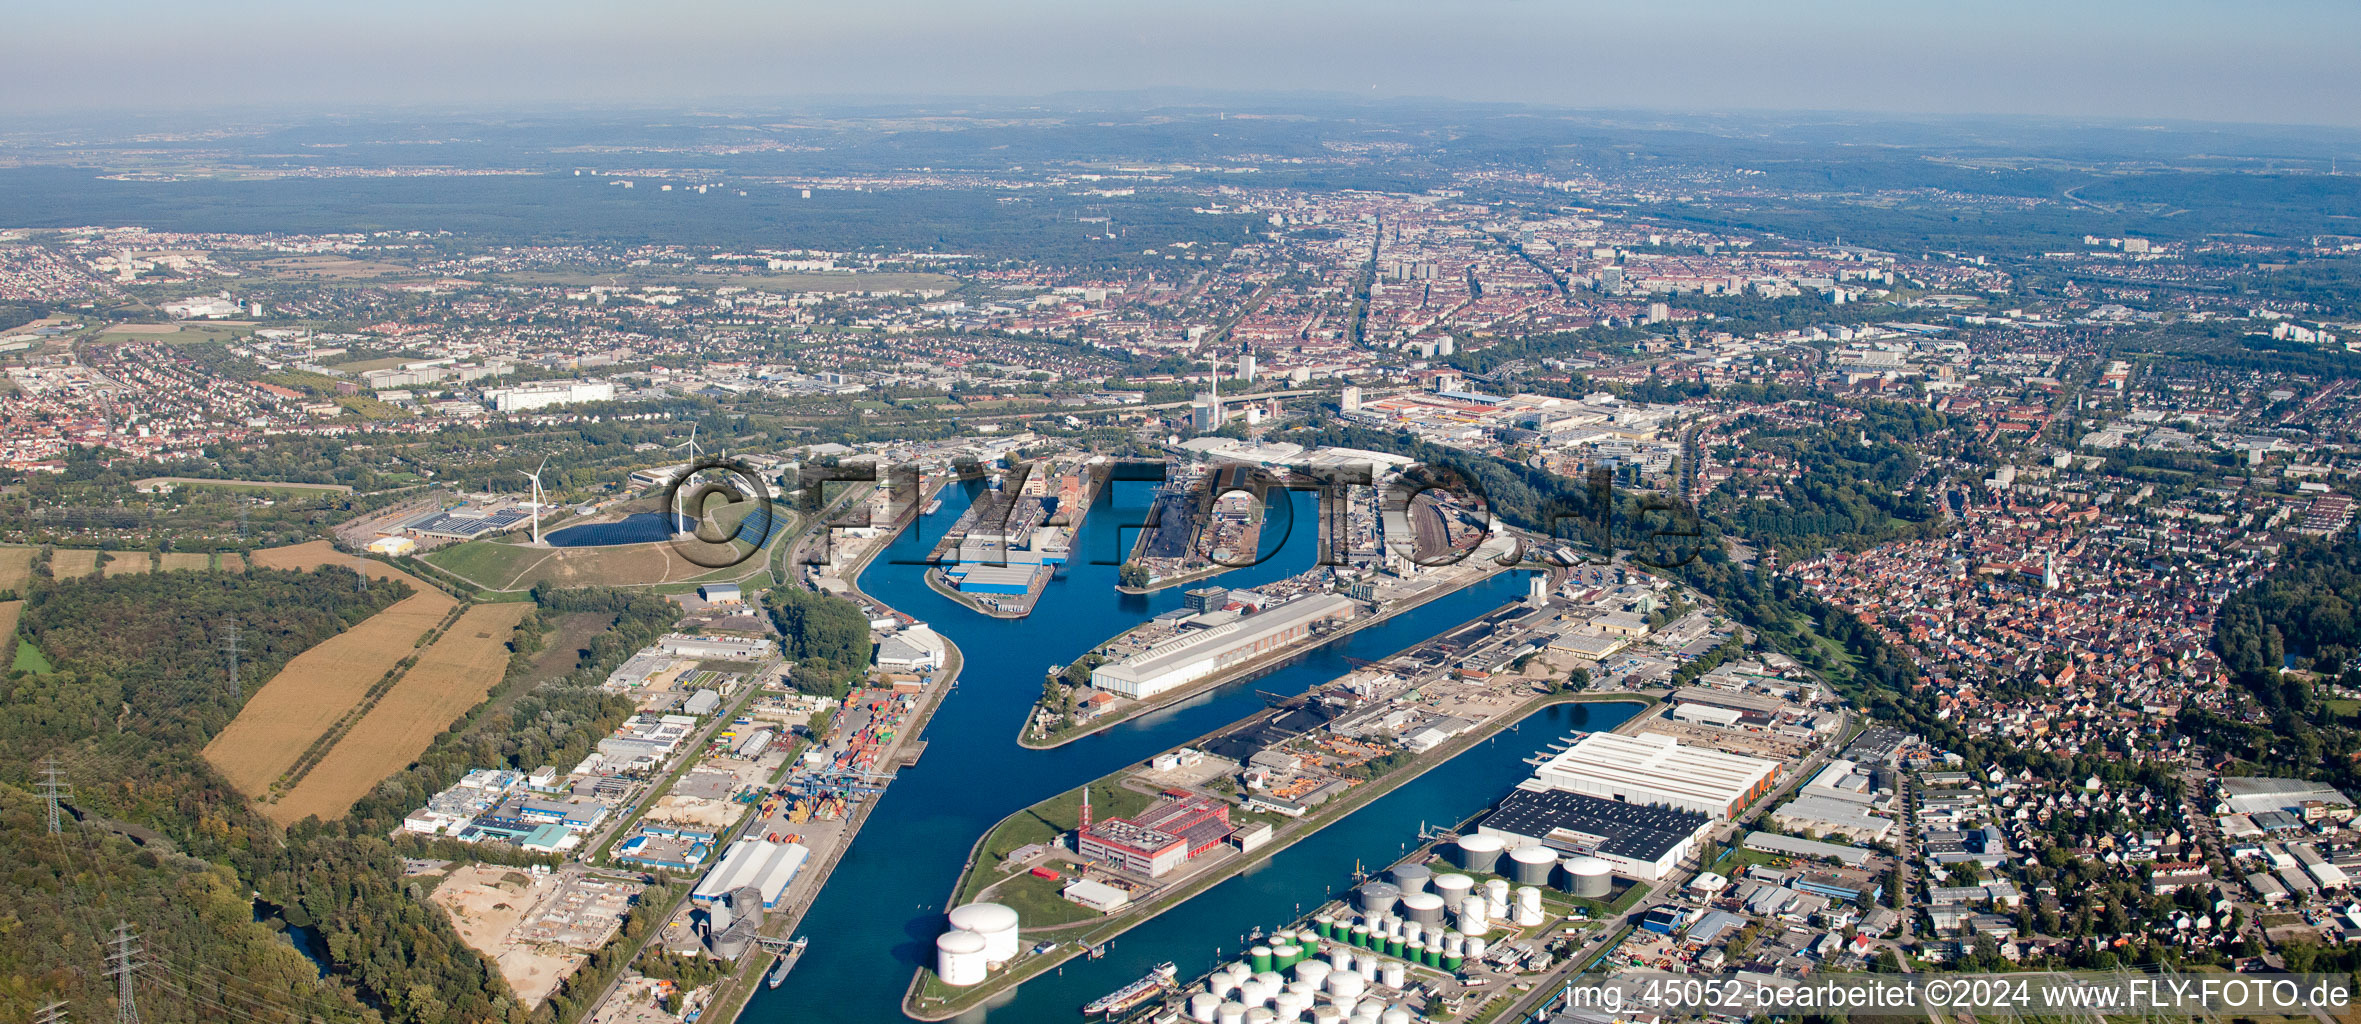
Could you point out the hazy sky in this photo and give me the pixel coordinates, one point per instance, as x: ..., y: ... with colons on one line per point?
x: 2284, y: 61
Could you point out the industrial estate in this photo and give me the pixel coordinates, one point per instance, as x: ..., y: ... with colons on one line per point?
x: 1156, y: 563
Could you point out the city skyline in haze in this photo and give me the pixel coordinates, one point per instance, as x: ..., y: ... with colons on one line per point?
x: 2179, y: 60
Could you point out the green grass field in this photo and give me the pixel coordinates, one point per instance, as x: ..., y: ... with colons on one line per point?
x: 30, y: 659
x: 1037, y: 903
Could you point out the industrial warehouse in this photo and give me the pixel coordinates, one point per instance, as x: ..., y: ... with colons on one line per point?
x: 1165, y: 836
x: 1656, y: 769
x: 766, y: 866
x: 1195, y: 655
x: 1637, y: 840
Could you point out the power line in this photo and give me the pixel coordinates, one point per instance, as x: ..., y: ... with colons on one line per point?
x: 54, y: 788
x: 54, y: 1013
x: 229, y: 645
x: 124, y: 963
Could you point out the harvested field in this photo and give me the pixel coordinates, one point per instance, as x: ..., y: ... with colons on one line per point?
x: 9, y: 610
x: 127, y: 562
x: 16, y: 567
x: 313, y: 691
x: 450, y: 677
x: 190, y: 561
x: 70, y: 563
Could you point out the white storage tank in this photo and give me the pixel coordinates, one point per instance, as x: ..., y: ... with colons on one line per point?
x: 1340, y: 958
x: 1202, y: 1007
x: 1480, y: 853
x: 1230, y: 1013
x: 1592, y: 878
x: 1395, y: 1014
x: 1424, y: 907
x: 1345, y: 985
x: 1410, y: 878
x: 1377, y: 898
x: 1531, y: 865
x: 1259, y: 1015
x: 1453, y: 888
x: 1529, y: 897
x: 960, y: 959
x: 1392, y: 974
x: 996, y: 923
x: 1474, y: 916
x: 1326, y: 1015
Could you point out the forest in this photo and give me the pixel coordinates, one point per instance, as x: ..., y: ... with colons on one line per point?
x: 827, y: 638
x: 155, y: 838
x: 2301, y: 617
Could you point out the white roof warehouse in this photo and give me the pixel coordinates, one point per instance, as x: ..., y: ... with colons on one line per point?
x: 1654, y: 769
x: 1192, y: 656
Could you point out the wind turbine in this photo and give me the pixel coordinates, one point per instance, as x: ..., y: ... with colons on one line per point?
x: 680, y: 517
x: 535, y: 476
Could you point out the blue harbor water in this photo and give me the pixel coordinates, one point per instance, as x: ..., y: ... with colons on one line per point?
x: 640, y: 528
x: 878, y: 917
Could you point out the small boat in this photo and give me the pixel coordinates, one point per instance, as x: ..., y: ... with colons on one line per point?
x: 787, y: 959
x: 932, y: 507
x: 1131, y: 997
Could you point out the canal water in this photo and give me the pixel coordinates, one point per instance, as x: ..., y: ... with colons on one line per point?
x: 878, y: 917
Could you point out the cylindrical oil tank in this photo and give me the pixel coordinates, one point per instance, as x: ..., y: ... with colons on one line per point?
x: 1325, y: 924
x: 1346, y: 985
x: 1479, y: 853
x: 1476, y: 947
x: 1303, y: 988
x: 1284, y: 955
x: 1496, y: 890
x: 1423, y: 907
x: 1375, y: 898
x: 960, y: 957
x: 1202, y: 1007
x: 1453, y: 963
x: 1412, y: 931
x: 1526, y: 917
x: 1529, y: 897
x: 996, y: 923
x: 1288, y: 1006
x: 1345, y: 1004
x: 1391, y: 976
x: 1366, y: 967
x: 1238, y: 971
x: 1259, y: 1015
x: 1340, y: 959
x: 1453, y: 888
x: 1326, y: 1015
x: 1360, y: 936
x: 1591, y: 878
x: 1313, y: 971
x: 1308, y: 939
x: 1454, y: 944
x: 1393, y: 945
x: 1410, y: 878
x: 1414, y: 952
x: 1395, y: 1014
x: 1474, y: 914
x: 1230, y: 1013
x: 1272, y: 981
x: 1531, y: 865
x: 1474, y: 911
x: 1434, y: 956
x: 1253, y: 991
x: 1259, y: 958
